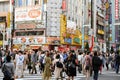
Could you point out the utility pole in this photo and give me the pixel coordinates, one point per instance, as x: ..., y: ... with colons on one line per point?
x: 83, y: 35
x: 13, y: 24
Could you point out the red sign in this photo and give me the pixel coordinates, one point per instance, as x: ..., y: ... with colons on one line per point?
x: 116, y: 9
x: 64, y: 5
x: 34, y: 13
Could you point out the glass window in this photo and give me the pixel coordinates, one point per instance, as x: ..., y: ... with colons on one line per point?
x: 30, y: 33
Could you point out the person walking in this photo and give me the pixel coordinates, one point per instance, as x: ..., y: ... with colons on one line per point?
x: 58, y: 68
x: 96, y: 63
x: 29, y: 64
x: 117, y: 62
x: 8, y: 68
x: 87, y: 66
x: 19, y: 60
x: 80, y: 62
x: 47, y: 69
x: 71, y: 66
x: 34, y: 59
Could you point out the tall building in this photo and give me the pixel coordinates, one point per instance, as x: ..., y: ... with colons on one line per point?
x: 5, y: 31
x: 30, y: 29
x: 116, y: 15
x: 100, y: 25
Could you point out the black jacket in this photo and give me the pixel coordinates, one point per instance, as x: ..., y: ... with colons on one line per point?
x: 96, y: 63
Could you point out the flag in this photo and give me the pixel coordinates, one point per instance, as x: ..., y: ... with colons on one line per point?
x: 92, y: 44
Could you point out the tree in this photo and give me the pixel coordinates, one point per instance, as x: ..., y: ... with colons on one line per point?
x: 87, y: 47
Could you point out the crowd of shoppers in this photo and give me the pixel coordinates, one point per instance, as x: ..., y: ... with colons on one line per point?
x: 57, y: 63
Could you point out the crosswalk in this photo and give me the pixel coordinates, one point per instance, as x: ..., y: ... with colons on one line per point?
x: 39, y: 76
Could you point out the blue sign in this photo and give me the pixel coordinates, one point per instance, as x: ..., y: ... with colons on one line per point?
x: 68, y: 40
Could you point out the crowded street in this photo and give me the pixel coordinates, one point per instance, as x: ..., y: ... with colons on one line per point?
x: 106, y: 75
x: 59, y: 39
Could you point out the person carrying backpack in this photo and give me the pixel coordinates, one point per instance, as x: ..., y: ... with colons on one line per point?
x: 8, y: 69
x: 58, y: 66
x: 117, y: 62
x: 71, y: 66
x: 96, y: 63
x: 87, y: 66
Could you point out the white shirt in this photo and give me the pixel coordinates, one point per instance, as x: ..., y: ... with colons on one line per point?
x: 80, y: 57
x: 19, y: 59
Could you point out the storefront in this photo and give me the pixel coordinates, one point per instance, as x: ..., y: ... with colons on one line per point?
x: 33, y: 42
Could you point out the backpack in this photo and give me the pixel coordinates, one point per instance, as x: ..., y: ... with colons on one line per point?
x: 87, y: 60
x: 71, y: 65
x: 97, y: 61
x: 59, y: 64
x: 6, y: 72
x: 41, y: 59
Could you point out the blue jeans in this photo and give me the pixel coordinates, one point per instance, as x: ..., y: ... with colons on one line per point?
x: 95, y: 76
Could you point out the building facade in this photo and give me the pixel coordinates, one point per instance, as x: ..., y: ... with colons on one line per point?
x: 5, y: 30
x: 30, y: 29
x: 116, y: 15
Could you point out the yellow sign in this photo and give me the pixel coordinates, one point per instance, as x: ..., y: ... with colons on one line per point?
x: 62, y: 28
x: 100, y: 32
x: 107, y: 5
x: 8, y: 20
x: 1, y: 42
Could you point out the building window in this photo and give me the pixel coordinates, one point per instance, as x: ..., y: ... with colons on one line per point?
x: 29, y: 33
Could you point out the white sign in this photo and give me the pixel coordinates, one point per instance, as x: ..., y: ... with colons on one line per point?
x: 71, y: 27
x: 2, y: 26
x: 29, y: 40
x: 28, y: 13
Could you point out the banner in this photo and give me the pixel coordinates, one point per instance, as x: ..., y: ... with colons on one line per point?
x: 28, y: 13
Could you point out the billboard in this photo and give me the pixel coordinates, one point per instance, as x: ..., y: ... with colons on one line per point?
x: 116, y: 9
x: 28, y: 13
x: 29, y: 40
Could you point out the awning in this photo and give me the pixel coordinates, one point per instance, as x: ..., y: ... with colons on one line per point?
x: 35, y: 46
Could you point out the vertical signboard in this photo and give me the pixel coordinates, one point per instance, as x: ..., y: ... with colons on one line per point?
x: 116, y: 9
x: 64, y: 5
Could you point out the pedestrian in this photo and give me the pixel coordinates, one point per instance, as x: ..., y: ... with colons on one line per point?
x: 0, y: 57
x: 41, y: 61
x: 19, y: 60
x: 107, y: 61
x: 87, y: 66
x: 8, y: 69
x: 58, y: 69
x: 29, y: 64
x: 117, y: 62
x: 101, y: 58
x: 47, y: 68
x: 71, y: 66
x: 96, y: 63
x: 34, y: 59
x: 83, y: 63
x: 80, y: 62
